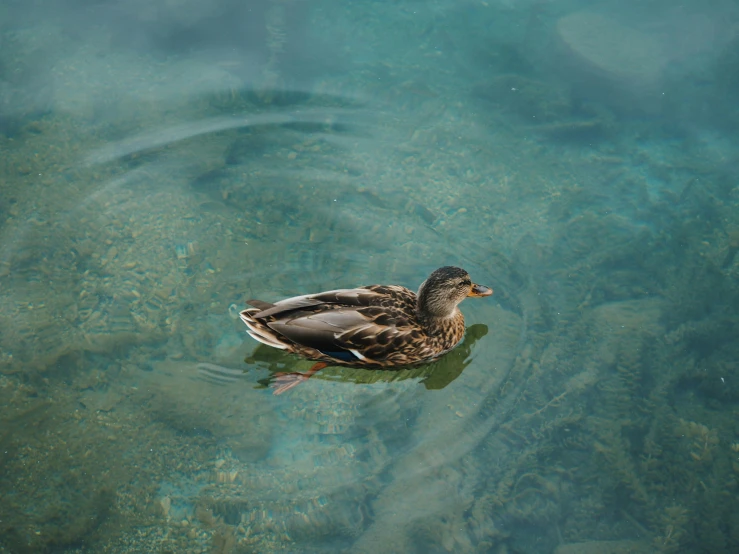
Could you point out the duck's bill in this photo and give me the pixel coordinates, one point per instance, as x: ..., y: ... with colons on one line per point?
x: 479, y: 290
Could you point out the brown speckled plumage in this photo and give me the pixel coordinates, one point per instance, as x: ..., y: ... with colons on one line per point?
x: 377, y: 326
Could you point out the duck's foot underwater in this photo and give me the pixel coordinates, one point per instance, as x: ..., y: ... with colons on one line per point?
x: 285, y: 381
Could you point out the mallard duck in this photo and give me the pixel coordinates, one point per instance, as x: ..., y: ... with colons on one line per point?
x: 376, y: 327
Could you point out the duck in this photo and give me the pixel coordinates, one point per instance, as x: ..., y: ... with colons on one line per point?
x: 372, y: 327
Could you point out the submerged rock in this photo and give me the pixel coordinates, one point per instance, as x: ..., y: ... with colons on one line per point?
x: 609, y: 61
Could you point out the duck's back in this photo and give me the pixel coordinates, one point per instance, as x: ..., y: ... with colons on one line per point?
x: 395, y: 297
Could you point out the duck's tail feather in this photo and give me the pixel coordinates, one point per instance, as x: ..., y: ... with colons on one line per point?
x: 259, y: 331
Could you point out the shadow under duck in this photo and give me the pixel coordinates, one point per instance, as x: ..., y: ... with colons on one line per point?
x: 374, y: 327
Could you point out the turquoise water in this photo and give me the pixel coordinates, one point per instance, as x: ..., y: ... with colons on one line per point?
x: 164, y: 162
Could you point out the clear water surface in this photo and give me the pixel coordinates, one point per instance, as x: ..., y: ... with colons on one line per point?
x: 163, y: 162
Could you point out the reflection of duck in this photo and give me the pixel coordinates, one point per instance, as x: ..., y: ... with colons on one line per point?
x: 375, y: 327
x: 434, y: 376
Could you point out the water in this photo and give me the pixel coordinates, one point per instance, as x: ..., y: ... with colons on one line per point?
x: 164, y: 162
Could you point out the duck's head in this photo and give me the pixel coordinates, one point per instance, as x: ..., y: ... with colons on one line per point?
x: 446, y: 287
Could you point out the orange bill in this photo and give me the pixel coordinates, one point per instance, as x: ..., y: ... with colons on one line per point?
x: 479, y: 290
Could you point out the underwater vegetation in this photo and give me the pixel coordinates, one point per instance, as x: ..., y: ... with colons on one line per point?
x: 613, y: 420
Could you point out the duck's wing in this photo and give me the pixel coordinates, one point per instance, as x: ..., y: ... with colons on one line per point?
x: 362, y: 325
x: 367, y: 334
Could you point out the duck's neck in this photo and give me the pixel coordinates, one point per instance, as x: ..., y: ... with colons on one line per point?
x: 427, y: 317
